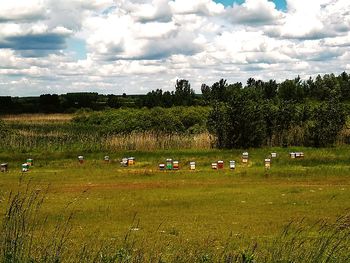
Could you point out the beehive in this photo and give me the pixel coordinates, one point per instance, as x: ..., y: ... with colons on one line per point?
x: 193, y: 165
x: 245, y: 157
x: 232, y: 165
x: 81, y: 159
x: 220, y: 164
x: 25, y: 167
x: 124, y: 162
x: 131, y: 161
x: 169, y: 164
x: 4, y: 167
x: 267, y: 163
x: 30, y: 162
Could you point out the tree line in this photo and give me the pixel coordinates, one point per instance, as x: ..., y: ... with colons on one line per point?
x: 294, y: 112
x: 297, y: 90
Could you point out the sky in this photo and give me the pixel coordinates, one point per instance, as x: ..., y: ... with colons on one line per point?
x: 135, y: 46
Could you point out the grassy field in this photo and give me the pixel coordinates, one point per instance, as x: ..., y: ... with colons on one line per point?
x: 63, y: 211
x: 168, y: 210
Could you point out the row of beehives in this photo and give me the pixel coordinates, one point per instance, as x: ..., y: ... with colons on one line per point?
x: 126, y: 161
x: 170, y: 164
x: 174, y: 165
x: 25, y: 166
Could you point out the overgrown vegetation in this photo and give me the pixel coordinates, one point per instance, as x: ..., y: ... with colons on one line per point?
x: 245, y: 120
x: 114, y: 130
x: 159, y: 120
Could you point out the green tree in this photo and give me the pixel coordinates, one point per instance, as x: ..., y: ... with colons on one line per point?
x: 239, y: 123
x: 291, y: 90
x: 344, y: 83
x: 270, y: 89
x: 329, y: 119
x: 217, y: 123
x: 184, y: 95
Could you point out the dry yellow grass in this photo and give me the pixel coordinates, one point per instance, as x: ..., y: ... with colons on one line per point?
x: 38, y: 118
x: 151, y: 141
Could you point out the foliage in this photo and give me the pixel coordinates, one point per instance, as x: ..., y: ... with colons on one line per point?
x: 173, y: 120
x: 238, y: 123
x: 329, y: 119
x: 250, y: 117
x: 182, y: 96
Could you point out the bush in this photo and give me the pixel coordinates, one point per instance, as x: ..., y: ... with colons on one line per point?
x: 162, y: 120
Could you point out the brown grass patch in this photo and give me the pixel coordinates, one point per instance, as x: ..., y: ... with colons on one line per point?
x: 38, y: 118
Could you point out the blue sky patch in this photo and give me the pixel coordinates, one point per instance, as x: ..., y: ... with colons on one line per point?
x: 78, y: 47
x: 280, y: 4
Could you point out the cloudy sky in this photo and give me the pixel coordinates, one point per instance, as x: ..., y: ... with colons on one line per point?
x: 134, y: 46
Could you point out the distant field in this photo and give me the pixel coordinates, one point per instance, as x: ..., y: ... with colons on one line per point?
x: 38, y: 118
x: 186, y: 208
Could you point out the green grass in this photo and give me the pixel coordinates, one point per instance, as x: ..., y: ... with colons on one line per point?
x: 177, y: 210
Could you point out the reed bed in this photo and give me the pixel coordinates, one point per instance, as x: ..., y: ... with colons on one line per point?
x: 57, y: 137
x: 38, y: 118
x: 61, y: 137
x: 152, y: 141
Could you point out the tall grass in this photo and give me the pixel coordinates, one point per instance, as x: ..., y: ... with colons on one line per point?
x: 152, y: 141
x: 322, y: 242
x: 38, y: 118
x: 69, y: 137
x: 24, y: 238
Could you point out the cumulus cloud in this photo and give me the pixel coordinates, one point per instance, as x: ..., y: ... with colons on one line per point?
x: 139, y: 45
x: 253, y: 12
x: 122, y: 36
x: 22, y: 11
x: 314, y: 19
x: 199, y: 7
x: 157, y: 10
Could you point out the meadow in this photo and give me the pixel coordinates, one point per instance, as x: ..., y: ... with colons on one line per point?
x: 64, y: 211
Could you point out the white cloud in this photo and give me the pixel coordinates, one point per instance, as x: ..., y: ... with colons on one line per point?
x: 254, y: 12
x: 22, y: 10
x: 139, y: 45
x: 201, y: 7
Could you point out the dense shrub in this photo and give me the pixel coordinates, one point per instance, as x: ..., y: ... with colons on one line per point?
x: 245, y: 119
x: 329, y: 119
x: 176, y: 119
